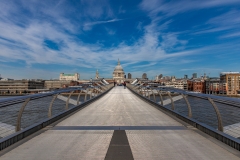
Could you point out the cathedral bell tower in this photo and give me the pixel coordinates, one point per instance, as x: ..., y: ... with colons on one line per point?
x: 97, y: 74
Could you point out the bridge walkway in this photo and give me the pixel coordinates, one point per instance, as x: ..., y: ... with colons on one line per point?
x: 120, y: 126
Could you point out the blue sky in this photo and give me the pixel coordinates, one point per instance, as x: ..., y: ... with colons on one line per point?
x: 41, y: 39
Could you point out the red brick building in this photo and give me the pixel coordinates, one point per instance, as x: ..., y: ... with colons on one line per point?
x: 196, y: 85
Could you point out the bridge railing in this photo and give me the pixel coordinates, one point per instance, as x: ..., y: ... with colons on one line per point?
x: 18, y: 113
x: 218, y: 112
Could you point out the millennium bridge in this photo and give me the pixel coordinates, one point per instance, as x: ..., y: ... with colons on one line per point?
x: 102, y: 121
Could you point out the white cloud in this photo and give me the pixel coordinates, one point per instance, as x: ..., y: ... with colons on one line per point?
x: 174, y: 7
x: 121, y: 10
x: 145, y: 65
x: 171, y: 40
x: 223, y: 22
x: 139, y: 26
x: 231, y: 35
x: 29, y: 47
x: 88, y: 25
x: 26, y: 42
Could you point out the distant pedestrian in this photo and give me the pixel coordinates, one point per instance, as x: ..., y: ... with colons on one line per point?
x: 124, y: 84
x: 114, y: 83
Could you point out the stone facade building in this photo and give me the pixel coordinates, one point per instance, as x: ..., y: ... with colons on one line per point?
x: 144, y: 76
x: 212, y: 85
x: 175, y: 83
x: 69, y: 77
x: 55, y: 84
x: 229, y: 83
x: 129, y: 76
x: 194, y: 75
x: 118, y: 74
x: 19, y: 86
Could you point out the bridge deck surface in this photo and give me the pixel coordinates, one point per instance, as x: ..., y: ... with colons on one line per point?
x: 88, y: 134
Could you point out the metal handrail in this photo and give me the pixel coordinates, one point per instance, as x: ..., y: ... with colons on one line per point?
x: 203, y: 119
x: 199, y: 95
x: 19, y: 99
x: 210, y: 98
x: 189, y: 106
x: 24, y: 100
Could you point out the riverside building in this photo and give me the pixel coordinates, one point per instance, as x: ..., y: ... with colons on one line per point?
x: 20, y: 86
x: 69, y: 77
x: 229, y: 83
x: 212, y: 85
x: 56, y: 84
x: 196, y: 85
x: 175, y: 83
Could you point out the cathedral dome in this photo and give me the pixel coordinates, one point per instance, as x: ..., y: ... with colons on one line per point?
x: 118, y: 74
x: 118, y: 67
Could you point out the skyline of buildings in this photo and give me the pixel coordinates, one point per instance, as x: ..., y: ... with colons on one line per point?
x: 128, y: 76
x: 76, y: 75
x: 228, y: 83
x: 53, y: 39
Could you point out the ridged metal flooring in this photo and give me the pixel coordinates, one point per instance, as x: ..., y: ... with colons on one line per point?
x: 88, y: 134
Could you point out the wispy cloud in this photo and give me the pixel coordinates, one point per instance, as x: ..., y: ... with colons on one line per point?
x: 102, y: 22
x: 174, y: 7
x: 25, y: 27
x: 200, y: 69
x: 178, y: 62
x: 29, y: 46
x: 231, y: 35
x: 146, y: 65
x: 227, y: 21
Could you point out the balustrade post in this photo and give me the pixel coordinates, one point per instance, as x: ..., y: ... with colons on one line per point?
x: 135, y: 88
x: 98, y: 91
x: 169, y: 94
x: 189, y: 107
x: 68, y: 100
x: 50, y: 106
x: 139, y: 90
x: 148, y: 94
x: 79, y: 95
x: 90, y: 93
x: 160, y: 95
x: 93, y: 92
x: 19, y: 119
x: 85, y: 98
x: 153, y: 95
x: 105, y: 88
x: 145, y: 92
x: 102, y: 88
x: 220, y: 125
